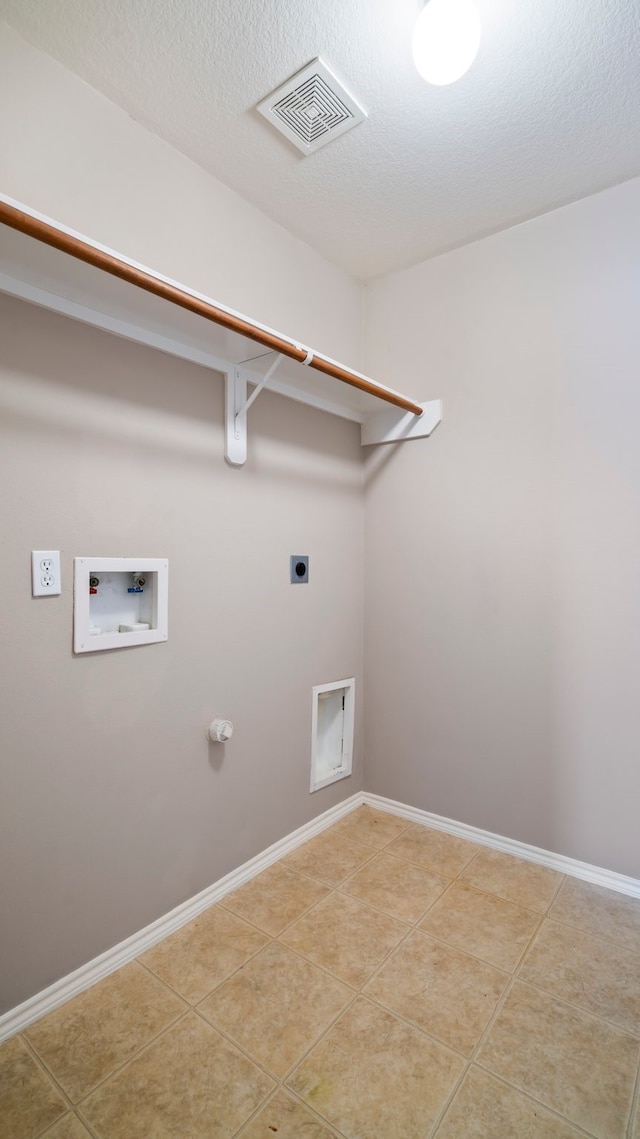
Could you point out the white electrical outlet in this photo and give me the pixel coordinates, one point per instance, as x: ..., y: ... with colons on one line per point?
x: 45, y: 572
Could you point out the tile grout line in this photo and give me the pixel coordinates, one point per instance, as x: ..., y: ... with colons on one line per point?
x: 67, y: 988
x: 192, y: 1009
x: 544, y: 916
x: 230, y: 1040
x: 635, y: 1106
x: 280, y: 1080
x: 521, y: 852
x: 532, y: 1099
x: 308, y: 910
x: 357, y: 992
x: 467, y: 1060
x: 517, y: 978
x: 332, y: 1127
x: 499, y: 1003
x: 372, y: 1000
x: 411, y: 922
x: 633, y: 1033
x: 489, y: 1025
x: 566, y: 1119
x: 49, y: 1072
x: 363, y: 801
x: 591, y: 933
x: 271, y: 938
x: 237, y: 1134
x: 459, y: 878
x: 415, y: 926
x: 377, y: 1003
x: 193, y: 1004
x: 87, y: 1126
x: 35, y: 1056
x: 51, y: 1126
x: 130, y: 1060
x: 287, y: 859
x: 329, y: 1127
x: 323, y: 968
x: 226, y: 1036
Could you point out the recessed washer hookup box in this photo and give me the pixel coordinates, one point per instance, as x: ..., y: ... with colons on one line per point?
x: 119, y: 602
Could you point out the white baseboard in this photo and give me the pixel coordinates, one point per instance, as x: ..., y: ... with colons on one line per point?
x: 595, y: 874
x: 19, y: 1018
x: 16, y: 1020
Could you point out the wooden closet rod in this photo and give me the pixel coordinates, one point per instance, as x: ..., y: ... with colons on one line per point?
x: 83, y: 251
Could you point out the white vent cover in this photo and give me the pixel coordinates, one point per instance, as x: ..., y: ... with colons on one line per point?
x: 312, y: 108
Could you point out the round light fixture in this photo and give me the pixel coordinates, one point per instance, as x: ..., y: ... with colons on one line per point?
x: 446, y: 40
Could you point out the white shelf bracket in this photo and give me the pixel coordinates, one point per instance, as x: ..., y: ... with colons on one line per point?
x: 237, y: 405
x: 391, y: 425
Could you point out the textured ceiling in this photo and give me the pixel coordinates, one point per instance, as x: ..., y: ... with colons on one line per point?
x: 550, y: 111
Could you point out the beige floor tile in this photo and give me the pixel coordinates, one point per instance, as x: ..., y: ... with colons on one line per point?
x: 28, y: 1100
x: 345, y: 937
x: 69, y: 1127
x: 365, y: 824
x: 635, y: 1134
x: 434, y: 850
x: 198, y: 957
x: 598, y: 975
x: 442, y: 990
x: 605, y: 913
x: 483, y: 925
x: 276, y: 1006
x: 374, y: 1075
x: 329, y: 857
x: 400, y: 888
x: 513, y: 879
x: 484, y: 1108
x: 572, y: 1062
x: 287, y: 1118
x: 189, y: 1083
x: 275, y: 898
x: 89, y: 1037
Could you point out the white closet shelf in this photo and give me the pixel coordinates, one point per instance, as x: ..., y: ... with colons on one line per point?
x: 54, y: 267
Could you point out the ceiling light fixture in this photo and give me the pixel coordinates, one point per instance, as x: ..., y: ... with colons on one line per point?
x: 446, y: 40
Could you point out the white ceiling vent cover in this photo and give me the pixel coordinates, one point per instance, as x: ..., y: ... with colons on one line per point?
x: 312, y: 108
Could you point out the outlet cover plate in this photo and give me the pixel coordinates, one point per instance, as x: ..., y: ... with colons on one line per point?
x: 45, y: 573
x: 299, y: 569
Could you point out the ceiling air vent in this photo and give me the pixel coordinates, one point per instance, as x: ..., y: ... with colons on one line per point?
x: 312, y: 108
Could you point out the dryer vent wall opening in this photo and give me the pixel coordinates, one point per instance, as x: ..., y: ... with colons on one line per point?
x: 332, y: 723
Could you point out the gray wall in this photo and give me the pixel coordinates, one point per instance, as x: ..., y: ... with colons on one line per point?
x: 114, y: 806
x: 77, y: 158
x: 503, y: 555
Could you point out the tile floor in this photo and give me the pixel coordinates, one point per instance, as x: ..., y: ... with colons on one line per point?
x: 383, y: 980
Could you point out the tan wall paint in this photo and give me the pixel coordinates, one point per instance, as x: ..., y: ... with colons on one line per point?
x: 73, y: 155
x: 114, y: 806
x: 503, y: 556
